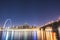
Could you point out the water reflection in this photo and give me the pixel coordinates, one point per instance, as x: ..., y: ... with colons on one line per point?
x: 46, y: 34
x: 59, y: 32
x: 50, y: 35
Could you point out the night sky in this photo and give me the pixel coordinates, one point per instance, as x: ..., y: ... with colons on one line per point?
x: 33, y: 12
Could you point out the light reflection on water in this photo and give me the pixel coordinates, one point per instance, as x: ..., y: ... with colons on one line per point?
x: 30, y: 35
x: 59, y: 32
x: 49, y: 34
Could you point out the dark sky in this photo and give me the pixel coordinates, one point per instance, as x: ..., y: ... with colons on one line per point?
x: 33, y: 12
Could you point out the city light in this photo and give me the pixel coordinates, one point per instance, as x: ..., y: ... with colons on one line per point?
x: 29, y: 33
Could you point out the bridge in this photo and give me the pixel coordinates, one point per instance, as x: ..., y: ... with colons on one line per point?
x: 53, y: 28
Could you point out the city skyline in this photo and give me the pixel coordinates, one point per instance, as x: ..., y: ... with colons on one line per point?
x: 33, y: 12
